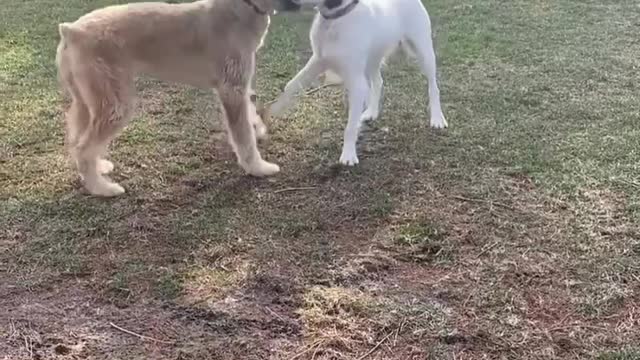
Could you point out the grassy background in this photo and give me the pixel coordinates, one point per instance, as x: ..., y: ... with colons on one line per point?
x: 513, y: 234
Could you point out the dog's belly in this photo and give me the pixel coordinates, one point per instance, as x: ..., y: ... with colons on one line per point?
x: 184, y: 71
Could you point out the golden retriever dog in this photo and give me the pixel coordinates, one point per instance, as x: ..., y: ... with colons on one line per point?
x: 207, y: 44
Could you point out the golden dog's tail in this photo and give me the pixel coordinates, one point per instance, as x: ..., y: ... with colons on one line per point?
x: 70, y: 34
x: 67, y: 32
x: 65, y: 77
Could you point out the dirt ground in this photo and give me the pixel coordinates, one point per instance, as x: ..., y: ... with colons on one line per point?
x: 514, y: 234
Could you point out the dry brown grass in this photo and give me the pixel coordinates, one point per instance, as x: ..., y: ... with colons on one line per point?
x: 513, y: 235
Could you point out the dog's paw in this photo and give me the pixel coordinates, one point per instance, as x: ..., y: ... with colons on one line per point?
x: 258, y: 118
x: 104, y: 166
x: 439, y: 122
x: 331, y: 78
x: 105, y: 189
x: 275, y: 109
x: 260, y: 131
x: 370, y: 114
x: 349, y: 158
x: 262, y: 168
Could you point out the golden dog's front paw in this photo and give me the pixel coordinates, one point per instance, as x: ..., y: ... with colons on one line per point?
x: 262, y: 168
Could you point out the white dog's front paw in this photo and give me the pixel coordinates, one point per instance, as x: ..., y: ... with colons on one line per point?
x: 331, y: 78
x: 104, y: 166
x: 261, y: 131
x: 349, y: 157
x: 262, y: 168
x: 257, y: 120
x: 277, y: 108
x: 439, y: 122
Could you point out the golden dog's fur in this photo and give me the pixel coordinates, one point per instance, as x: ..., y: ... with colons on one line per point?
x: 207, y: 43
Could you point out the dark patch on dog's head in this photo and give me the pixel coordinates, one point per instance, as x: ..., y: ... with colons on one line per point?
x: 332, y: 4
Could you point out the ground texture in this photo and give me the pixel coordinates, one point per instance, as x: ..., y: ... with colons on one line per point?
x: 514, y: 234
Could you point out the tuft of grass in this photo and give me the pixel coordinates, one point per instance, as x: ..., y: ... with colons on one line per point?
x: 210, y: 283
x: 370, y: 265
x: 620, y: 355
x: 169, y: 285
x: 418, y: 234
x: 323, y: 305
x: 338, y: 319
x: 423, y: 242
x: 602, y: 300
x: 382, y: 205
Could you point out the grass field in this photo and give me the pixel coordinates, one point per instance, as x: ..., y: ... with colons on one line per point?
x: 514, y: 234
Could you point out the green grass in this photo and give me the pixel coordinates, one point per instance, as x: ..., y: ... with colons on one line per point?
x: 513, y: 234
x: 620, y: 355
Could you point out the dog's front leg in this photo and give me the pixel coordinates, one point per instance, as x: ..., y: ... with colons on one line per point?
x: 235, y: 101
x: 375, y: 94
x: 233, y: 90
x: 255, y: 117
x: 301, y: 81
x: 357, y: 90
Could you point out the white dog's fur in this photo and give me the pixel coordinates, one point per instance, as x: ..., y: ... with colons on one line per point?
x: 354, y: 47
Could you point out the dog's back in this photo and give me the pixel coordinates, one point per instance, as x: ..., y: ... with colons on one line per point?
x: 132, y: 36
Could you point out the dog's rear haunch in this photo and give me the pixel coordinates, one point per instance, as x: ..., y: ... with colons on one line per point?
x: 207, y: 43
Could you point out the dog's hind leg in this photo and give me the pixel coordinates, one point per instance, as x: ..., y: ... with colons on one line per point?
x: 77, y: 117
x: 420, y: 39
x: 109, y: 97
x: 77, y: 121
x: 301, y: 81
x: 357, y: 90
x: 375, y: 95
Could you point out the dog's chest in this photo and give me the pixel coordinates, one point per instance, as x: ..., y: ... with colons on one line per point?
x: 326, y: 36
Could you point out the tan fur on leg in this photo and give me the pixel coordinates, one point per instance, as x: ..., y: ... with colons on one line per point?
x: 242, y: 138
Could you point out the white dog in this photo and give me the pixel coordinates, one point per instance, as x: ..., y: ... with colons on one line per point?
x: 351, y: 39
